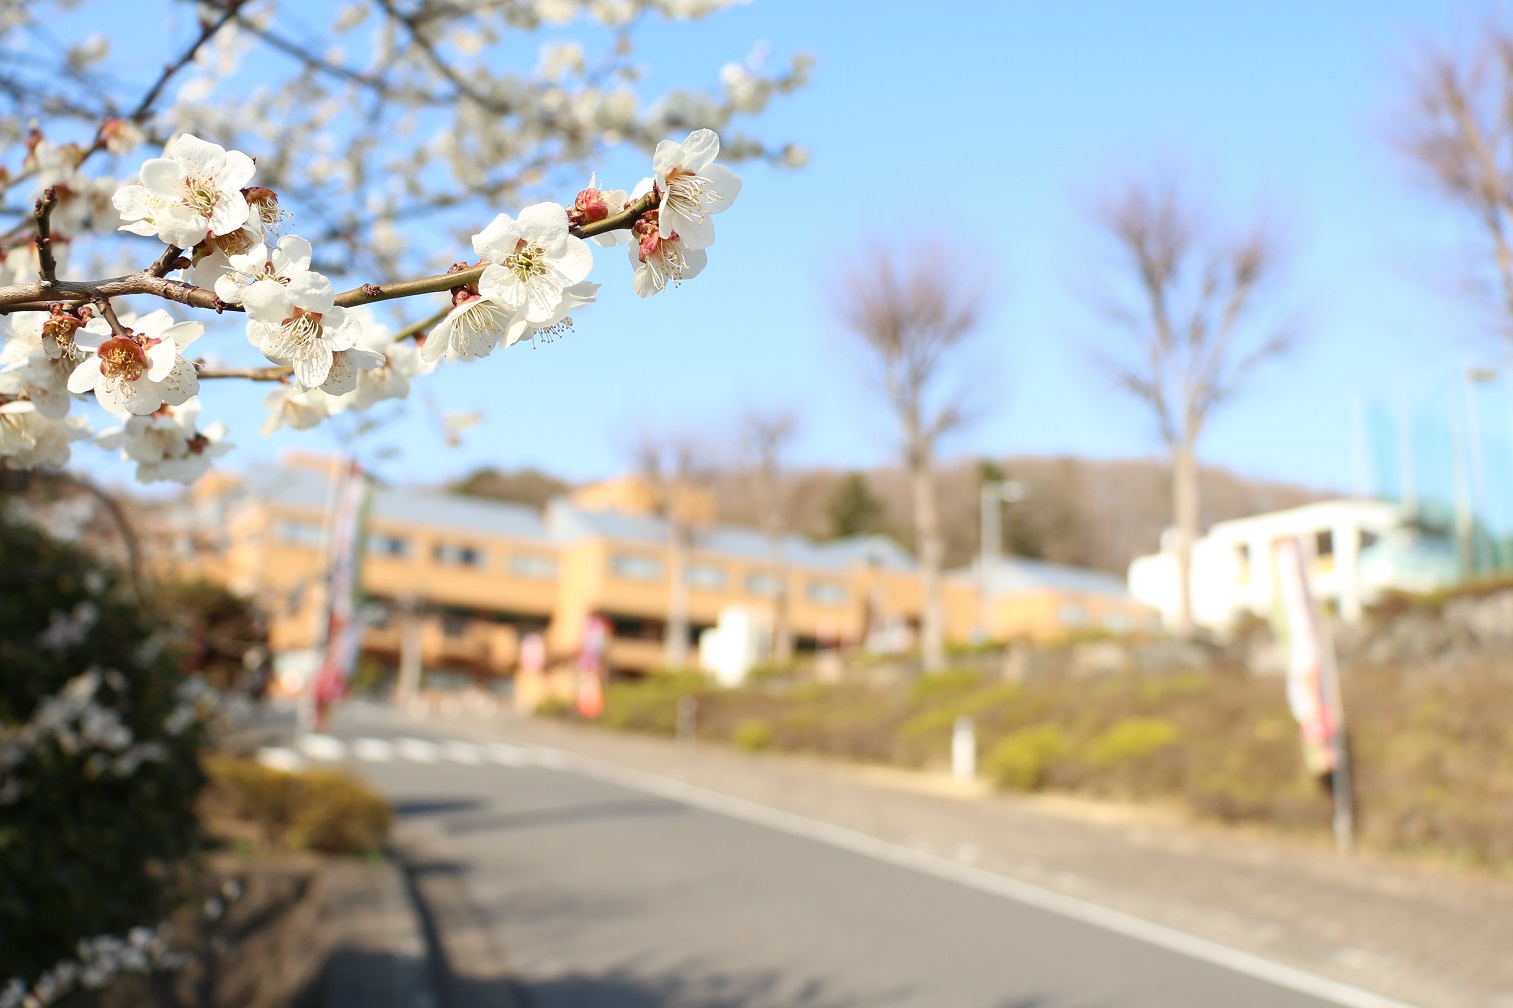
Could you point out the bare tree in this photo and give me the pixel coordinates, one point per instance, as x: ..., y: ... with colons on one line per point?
x: 913, y: 317
x: 1188, y: 299
x: 765, y: 436
x: 1459, y: 132
x: 674, y: 467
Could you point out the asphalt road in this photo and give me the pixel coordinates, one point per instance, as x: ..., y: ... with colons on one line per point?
x: 548, y: 882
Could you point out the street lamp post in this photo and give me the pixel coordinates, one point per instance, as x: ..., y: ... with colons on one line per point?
x: 995, y: 493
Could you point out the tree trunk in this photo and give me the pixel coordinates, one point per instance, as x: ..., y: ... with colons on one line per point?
x: 1185, y: 505
x: 675, y: 638
x: 782, y: 636
x: 932, y: 630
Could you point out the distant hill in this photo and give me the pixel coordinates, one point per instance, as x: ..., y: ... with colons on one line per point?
x: 1088, y: 512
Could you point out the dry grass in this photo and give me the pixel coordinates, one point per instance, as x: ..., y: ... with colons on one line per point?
x: 326, y: 811
x: 1433, y: 750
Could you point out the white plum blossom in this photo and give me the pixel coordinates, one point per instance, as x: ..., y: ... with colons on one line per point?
x: 661, y: 261
x: 192, y: 192
x: 576, y: 296
x: 472, y: 329
x: 37, y: 360
x: 290, y: 407
x: 166, y: 445
x: 298, y: 323
x: 140, y: 370
x: 693, y: 187
x: 283, y: 262
x: 389, y: 380
x: 346, y: 366
x: 531, y: 261
x: 29, y: 440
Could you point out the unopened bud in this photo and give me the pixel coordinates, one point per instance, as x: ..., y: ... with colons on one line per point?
x: 588, y: 206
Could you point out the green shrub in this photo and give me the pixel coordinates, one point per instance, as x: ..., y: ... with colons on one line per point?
x: 753, y: 735
x: 553, y: 707
x: 327, y: 811
x: 88, y: 834
x: 942, y: 685
x: 1021, y: 760
x: 1131, y: 740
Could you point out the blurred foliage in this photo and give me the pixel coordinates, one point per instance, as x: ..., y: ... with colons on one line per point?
x: 753, y: 735
x: 527, y: 486
x: 1434, y: 750
x: 83, y: 850
x: 210, y: 628
x: 853, y: 509
x: 326, y: 811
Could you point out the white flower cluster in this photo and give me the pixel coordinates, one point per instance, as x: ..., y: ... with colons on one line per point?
x: 99, y: 960
x: 531, y: 274
x: 78, y: 724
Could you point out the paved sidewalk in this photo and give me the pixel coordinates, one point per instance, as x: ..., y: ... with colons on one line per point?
x: 1432, y: 938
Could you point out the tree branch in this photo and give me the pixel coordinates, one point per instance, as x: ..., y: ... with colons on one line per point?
x: 38, y: 296
x: 250, y: 373
x: 47, y: 265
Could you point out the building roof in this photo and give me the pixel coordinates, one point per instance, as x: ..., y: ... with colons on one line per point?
x: 564, y: 522
x: 1017, y: 575
x: 297, y: 486
x: 567, y: 521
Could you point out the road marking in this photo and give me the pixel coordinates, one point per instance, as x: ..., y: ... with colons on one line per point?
x: 464, y: 752
x: 281, y: 758
x: 323, y: 747
x: 417, y: 750
x: 508, y: 755
x: 373, y: 750
x: 1212, y: 952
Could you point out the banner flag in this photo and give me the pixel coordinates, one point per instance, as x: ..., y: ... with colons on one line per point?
x: 1301, y: 634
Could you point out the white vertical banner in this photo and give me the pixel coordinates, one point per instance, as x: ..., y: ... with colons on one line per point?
x: 1313, y: 685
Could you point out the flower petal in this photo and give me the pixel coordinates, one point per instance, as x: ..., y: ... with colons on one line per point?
x: 162, y: 177
x: 86, y: 376
x: 724, y: 181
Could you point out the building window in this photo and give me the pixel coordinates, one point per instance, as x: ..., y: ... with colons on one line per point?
x: 455, y: 624
x: 458, y: 556
x: 389, y: 546
x: 299, y: 533
x: 1116, y: 622
x: 1073, y: 615
x: 1368, y: 539
x: 765, y: 585
x: 533, y: 565
x: 706, y: 576
x: 635, y: 567
x: 1323, y: 543
x: 826, y: 593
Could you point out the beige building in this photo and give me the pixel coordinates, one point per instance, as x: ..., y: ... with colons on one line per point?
x: 476, y: 576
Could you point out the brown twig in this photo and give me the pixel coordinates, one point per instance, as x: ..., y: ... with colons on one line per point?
x: 167, y: 262
x: 110, y: 316
x: 47, y: 264
x: 250, y: 373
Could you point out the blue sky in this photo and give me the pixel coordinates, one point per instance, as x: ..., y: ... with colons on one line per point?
x: 989, y: 127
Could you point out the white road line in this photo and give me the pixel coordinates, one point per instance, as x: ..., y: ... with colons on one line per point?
x: 373, y: 750
x: 463, y: 752
x: 508, y: 755
x: 281, y: 758
x: 322, y: 747
x: 1247, y: 963
x: 418, y: 750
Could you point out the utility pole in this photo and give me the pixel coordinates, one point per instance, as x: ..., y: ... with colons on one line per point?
x: 994, y: 494
x: 1474, y: 377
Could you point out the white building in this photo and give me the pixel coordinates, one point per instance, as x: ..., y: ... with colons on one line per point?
x: 1355, y: 549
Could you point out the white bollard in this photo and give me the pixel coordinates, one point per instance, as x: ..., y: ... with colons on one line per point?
x: 964, y: 749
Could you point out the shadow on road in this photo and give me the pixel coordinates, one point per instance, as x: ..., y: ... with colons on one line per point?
x: 633, y: 808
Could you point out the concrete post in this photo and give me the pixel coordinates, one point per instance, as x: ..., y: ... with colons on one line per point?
x: 964, y: 749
